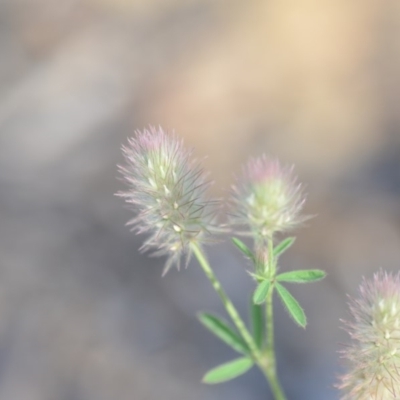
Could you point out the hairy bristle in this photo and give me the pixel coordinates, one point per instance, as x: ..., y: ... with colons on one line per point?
x: 166, y: 189
x: 373, y: 358
x: 267, y: 199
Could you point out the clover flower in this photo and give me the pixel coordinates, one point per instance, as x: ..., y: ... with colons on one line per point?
x: 373, y: 357
x: 166, y: 188
x: 267, y: 199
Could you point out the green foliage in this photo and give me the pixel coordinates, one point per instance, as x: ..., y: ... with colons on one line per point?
x: 292, y: 305
x: 302, y: 276
x: 261, y: 292
x: 243, y: 248
x: 224, y: 332
x: 281, y: 247
x: 228, y: 371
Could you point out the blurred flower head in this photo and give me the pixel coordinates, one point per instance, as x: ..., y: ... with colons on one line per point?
x: 373, y: 357
x: 267, y: 199
x: 166, y: 189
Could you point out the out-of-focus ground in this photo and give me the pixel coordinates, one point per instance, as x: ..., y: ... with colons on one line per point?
x: 83, y: 315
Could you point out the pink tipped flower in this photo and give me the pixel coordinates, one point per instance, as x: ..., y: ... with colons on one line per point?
x: 268, y: 199
x: 166, y: 188
x: 373, y: 357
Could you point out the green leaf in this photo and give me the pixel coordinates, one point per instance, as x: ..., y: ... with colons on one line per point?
x: 302, y: 276
x: 257, y: 322
x: 261, y: 292
x: 243, y: 248
x: 291, y: 304
x: 224, y: 332
x: 283, y: 246
x: 228, y: 371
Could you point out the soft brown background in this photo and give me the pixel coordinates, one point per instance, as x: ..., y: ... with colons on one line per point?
x: 317, y: 83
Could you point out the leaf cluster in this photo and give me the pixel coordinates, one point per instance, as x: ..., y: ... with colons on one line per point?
x: 265, y: 288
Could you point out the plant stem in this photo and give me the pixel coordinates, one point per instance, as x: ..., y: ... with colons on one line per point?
x: 270, y: 350
x: 270, y: 346
x: 265, y: 361
x: 271, y: 258
x: 230, y: 308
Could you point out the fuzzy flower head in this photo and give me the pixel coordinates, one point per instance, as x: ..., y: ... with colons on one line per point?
x: 166, y: 187
x: 373, y: 358
x: 268, y: 199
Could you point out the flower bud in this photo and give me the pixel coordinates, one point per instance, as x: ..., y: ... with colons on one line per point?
x: 373, y: 356
x: 166, y: 187
x: 267, y: 200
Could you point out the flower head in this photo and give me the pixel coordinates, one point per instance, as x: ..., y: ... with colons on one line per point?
x: 268, y: 199
x: 166, y: 187
x: 373, y: 357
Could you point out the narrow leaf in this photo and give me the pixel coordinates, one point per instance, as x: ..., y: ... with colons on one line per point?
x: 291, y: 304
x: 224, y: 332
x: 261, y: 292
x: 243, y: 248
x: 228, y: 371
x: 257, y: 322
x: 281, y: 247
x: 302, y: 276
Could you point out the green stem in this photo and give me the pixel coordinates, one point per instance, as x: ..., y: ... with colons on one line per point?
x: 271, y: 258
x: 230, y: 308
x: 265, y: 361
x: 270, y: 346
x: 270, y: 350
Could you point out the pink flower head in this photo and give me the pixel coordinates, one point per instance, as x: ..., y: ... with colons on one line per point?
x: 373, y: 358
x: 261, y: 170
x: 268, y: 199
x: 166, y: 187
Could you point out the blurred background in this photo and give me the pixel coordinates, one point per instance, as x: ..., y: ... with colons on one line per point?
x: 84, y: 315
